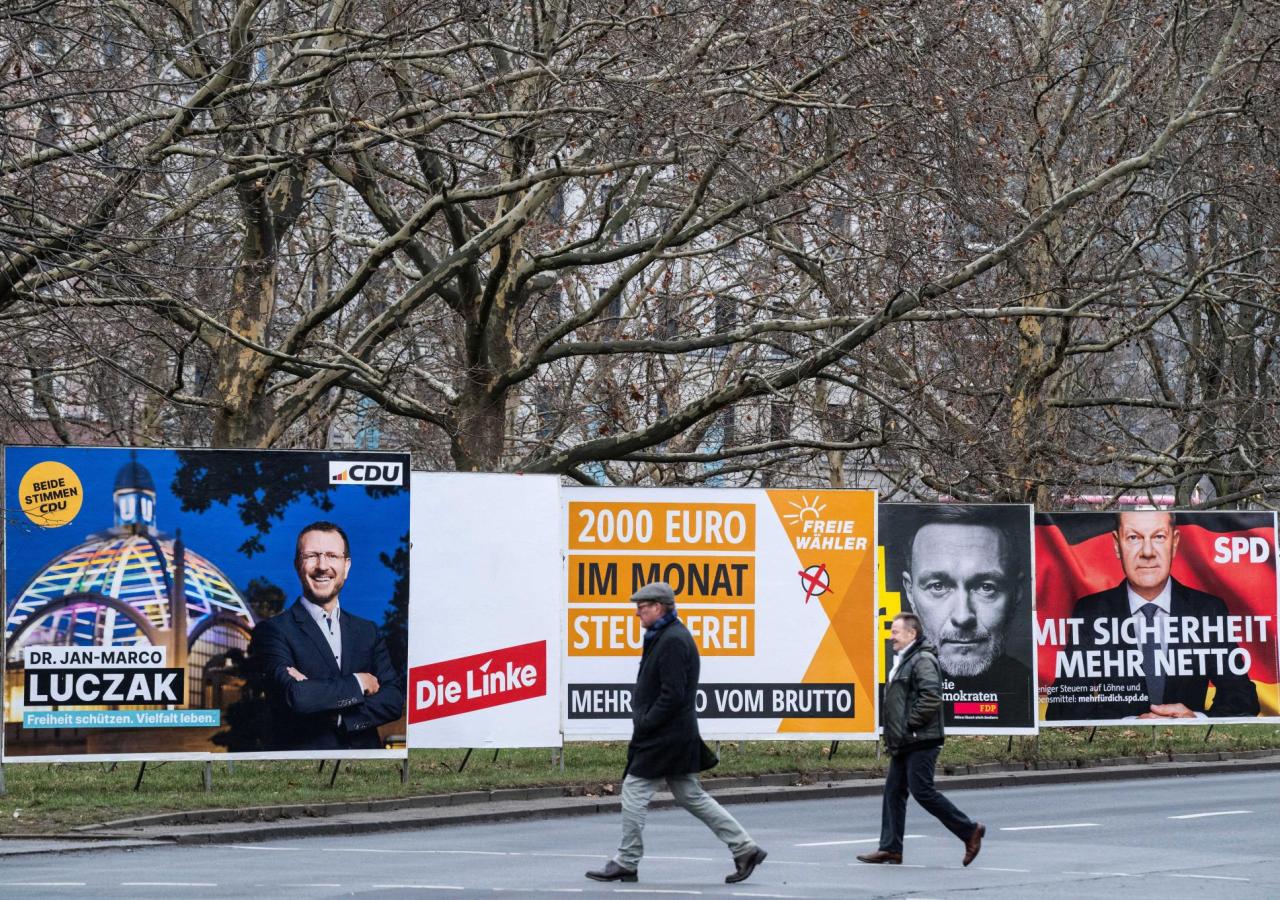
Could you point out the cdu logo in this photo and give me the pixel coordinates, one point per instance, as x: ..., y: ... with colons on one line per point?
x: 365, y: 473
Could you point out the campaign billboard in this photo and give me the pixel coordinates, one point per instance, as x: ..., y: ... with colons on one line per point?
x: 154, y: 603
x: 775, y: 586
x: 485, y: 649
x: 966, y: 571
x: 1156, y: 617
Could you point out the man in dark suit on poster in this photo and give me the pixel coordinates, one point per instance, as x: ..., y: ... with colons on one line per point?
x: 1155, y: 609
x: 329, y: 678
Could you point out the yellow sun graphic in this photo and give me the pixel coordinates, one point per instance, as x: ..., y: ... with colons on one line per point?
x: 807, y: 508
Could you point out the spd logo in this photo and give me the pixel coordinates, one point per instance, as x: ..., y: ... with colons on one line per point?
x: 380, y: 473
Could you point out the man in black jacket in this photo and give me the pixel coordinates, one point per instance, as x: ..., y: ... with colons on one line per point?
x: 913, y: 734
x: 665, y: 744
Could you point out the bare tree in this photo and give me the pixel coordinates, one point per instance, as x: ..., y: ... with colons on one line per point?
x: 636, y: 241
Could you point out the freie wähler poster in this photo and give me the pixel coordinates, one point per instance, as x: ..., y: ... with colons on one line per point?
x: 775, y: 586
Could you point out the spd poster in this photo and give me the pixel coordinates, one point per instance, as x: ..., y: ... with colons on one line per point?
x: 776, y: 588
x: 1156, y: 616
x: 966, y: 571
x: 154, y: 603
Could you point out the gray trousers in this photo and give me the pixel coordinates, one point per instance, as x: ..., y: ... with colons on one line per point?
x: 688, y: 793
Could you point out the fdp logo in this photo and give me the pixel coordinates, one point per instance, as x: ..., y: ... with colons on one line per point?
x: 380, y: 473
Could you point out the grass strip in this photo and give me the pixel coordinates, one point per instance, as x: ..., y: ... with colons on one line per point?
x: 49, y: 798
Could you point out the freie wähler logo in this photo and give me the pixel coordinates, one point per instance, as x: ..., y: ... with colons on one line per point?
x: 362, y: 473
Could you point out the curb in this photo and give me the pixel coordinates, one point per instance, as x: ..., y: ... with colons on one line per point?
x: 475, y: 807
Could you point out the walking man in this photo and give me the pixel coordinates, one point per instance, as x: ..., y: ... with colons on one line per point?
x: 665, y: 746
x: 912, y: 717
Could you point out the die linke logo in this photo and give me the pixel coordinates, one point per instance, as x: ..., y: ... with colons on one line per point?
x: 477, y: 682
x: 380, y: 473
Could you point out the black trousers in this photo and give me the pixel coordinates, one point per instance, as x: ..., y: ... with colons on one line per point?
x: 913, y: 772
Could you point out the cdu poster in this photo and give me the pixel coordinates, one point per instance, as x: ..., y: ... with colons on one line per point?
x: 154, y: 603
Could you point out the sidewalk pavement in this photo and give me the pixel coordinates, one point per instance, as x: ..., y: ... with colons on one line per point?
x: 223, y: 826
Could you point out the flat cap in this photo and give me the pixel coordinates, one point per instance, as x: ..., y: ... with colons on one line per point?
x: 658, y: 590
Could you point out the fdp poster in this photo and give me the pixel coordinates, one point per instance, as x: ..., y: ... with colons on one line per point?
x: 488, y: 571
x: 966, y: 571
x: 776, y: 587
x: 154, y: 605
x: 1156, y: 616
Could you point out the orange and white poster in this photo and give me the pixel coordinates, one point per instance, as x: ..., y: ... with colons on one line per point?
x: 777, y: 588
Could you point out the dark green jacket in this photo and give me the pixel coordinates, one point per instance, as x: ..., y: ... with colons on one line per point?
x: 912, y: 707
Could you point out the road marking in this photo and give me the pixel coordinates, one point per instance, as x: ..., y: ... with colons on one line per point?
x: 1211, y: 877
x: 421, y: 887
x: 1050, y: 827
x: 536, y: 890
x: 313, y: 884
x: 994, y: 869
x: 655, y: 891
x: 257, y: 847
x: 387, y: 850
x: 1225, y: 812
x: 1105, y: 874
x: 793, y: 862
x: 168, y: 884
x: 42, y: 884
x: 857, y: 841
x: 778, y: 896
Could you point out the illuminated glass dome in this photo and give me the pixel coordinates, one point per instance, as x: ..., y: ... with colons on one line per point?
x: 120, y: 588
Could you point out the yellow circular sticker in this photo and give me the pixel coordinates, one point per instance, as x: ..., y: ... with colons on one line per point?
x: 51, y: 494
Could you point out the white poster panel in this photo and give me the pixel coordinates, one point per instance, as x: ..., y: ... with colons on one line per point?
x: 776, y: 587
x: 485, y: 646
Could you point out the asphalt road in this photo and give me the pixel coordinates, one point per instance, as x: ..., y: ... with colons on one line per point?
x: 1205, y: 837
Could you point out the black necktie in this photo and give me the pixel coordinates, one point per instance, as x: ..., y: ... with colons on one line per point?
x: 1155, y: 683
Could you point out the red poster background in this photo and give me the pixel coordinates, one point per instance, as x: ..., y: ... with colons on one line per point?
x: 1065, y: 572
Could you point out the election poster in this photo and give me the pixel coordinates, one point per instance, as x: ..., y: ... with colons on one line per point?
x: 154, y: 603
x: 776, y: 588
x: 1156, y: 616
x: 966, y: 571
x: 488, y: 573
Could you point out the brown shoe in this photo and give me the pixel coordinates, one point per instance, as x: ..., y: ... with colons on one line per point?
x: 974, y: 844
x: 881, y: 856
